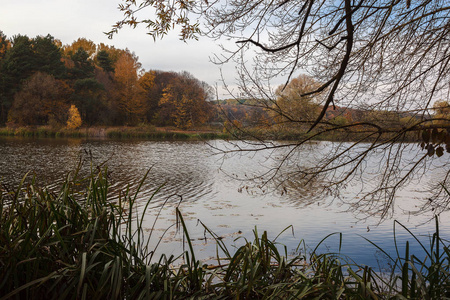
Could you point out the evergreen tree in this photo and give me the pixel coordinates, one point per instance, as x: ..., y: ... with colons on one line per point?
x: 47, y: 56
x: 87, y: 96
x: 88, y: 92
x: 17, y: 66
x: 4, y: 104
x: 104, y: 61
x: 19, y: 62
x: 83, y: 67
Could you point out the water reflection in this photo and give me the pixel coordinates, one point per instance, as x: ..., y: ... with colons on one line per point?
x: 216, y: 190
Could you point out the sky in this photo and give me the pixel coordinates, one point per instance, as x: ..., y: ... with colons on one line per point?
x: 68, y: 20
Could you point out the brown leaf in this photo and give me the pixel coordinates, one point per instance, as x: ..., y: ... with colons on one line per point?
x: 441, y: 136
x: 447, y: 137
x: 434, y: 135
x: 430, y: 150
x: 426, y: 136
x: 439, y: 151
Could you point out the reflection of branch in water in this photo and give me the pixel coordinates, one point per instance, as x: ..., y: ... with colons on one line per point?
x: 370, y: 174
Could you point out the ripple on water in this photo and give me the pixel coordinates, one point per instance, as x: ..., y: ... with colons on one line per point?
x: 189, y: 169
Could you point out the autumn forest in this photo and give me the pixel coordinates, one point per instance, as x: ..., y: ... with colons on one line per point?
x: 83, y: 84
x: 43, y: 82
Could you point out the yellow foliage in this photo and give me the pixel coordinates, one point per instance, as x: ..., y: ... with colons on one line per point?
x: 184, y: 101
x: 293, y: 106
x: 147, y: 80
x: 87, y: 45
x: 131, y: 95
x: 74, y: 120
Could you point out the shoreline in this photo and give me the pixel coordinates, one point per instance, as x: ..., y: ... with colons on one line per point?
x: 123, y: 132
x: 150, y: 132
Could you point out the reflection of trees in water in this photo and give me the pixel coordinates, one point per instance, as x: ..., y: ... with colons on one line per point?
x: 387, y: 60
x: 175, y: 168
x: 178, y: 168
x: 328, y: 173
x: 302, y: 175
x: 48, y: 160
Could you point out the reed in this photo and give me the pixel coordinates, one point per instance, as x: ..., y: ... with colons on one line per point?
x: 6, y: 131
x: 163, y: 135
x: 77, y: 243
x: 140, y: 132
x: 72, y: 244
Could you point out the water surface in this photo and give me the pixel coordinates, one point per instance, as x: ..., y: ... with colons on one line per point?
x: 212, y: 188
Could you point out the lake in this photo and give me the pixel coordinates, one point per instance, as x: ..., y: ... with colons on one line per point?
x: 214, y: 189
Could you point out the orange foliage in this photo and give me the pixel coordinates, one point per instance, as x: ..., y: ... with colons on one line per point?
x: 187, y: 99
x: 131, y: 98
x: 106, y: 89
x: 88, y: 46
x: 74, y: 120
x: 41, y: 97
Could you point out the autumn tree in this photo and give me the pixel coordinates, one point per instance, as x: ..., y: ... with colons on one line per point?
x: 442, y: 109
x: 41, y: 98
x: 89, y: 46
x: 292, y: 106
x: 244, y: 112
x: 156, y: 113
x: 187, y: 99
x: 389, y: 56
x: 5, y: 45
x: 74, y: 119
x: 130, y: 94
x: 147, y: 84
x: 441, y: 112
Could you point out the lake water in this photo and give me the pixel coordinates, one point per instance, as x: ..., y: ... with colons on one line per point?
x: 213, y: 189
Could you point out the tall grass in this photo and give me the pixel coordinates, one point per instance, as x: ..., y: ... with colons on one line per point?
x: 77, y: 243
x: 74, y: 244
x: 140, y: 132
x: 163, y: 135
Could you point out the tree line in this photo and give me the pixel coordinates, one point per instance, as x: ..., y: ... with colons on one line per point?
x: 43, y: 82
x: 291, y: 110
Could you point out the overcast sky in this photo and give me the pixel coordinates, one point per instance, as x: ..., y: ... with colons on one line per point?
x: 67, y: 20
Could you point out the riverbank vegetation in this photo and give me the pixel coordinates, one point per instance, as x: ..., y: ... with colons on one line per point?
x: 50, y: 89
x: 124, y: 132
x: 79, y: 242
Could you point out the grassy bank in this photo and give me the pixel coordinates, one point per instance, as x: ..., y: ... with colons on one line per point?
x: 170, y: 133
x: 319, y: 134
x: 144, y: 132
x: 76, y: 244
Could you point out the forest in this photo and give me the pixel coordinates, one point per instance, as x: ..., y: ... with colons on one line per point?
x: 83, y: 84
x: 43, y: 82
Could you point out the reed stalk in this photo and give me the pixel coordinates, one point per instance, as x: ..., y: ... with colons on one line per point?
x: 78, y: 244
